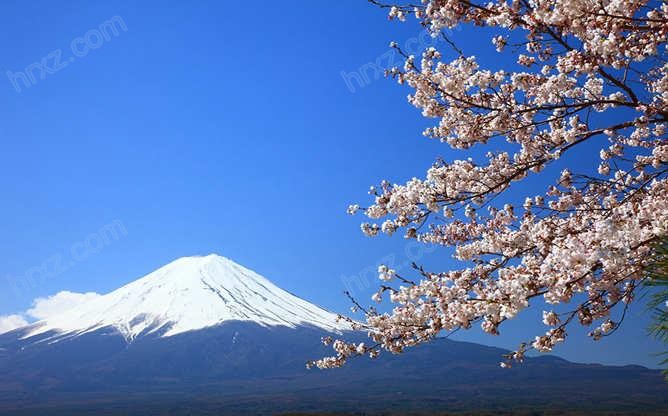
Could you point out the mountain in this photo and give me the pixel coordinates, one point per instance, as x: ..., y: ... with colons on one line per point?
x: 189, y: 294
x: 204, y: 335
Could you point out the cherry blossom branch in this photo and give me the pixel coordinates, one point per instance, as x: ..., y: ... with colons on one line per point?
x: 587, y: 234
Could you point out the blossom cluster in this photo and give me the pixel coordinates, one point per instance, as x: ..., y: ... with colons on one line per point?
x: 584, y: 240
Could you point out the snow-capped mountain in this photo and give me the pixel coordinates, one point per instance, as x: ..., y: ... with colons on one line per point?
x: 189, y: 294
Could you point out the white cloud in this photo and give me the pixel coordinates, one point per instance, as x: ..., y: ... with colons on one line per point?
x: 43, y: 308
x: 11, y: 322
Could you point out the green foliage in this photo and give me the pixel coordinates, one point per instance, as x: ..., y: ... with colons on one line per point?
x: 657, y: 274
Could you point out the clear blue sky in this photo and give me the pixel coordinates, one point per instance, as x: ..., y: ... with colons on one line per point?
x: 216, y: 127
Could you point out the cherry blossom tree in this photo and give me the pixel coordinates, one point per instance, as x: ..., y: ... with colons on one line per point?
x: 587, y: 73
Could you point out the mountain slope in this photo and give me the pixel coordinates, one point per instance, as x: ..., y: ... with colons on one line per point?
x: 247, y: 368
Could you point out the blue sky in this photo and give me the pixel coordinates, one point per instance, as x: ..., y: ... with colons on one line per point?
x: 211, y: 127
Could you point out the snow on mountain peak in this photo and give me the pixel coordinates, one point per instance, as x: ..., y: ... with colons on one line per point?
x: 187, y: 294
